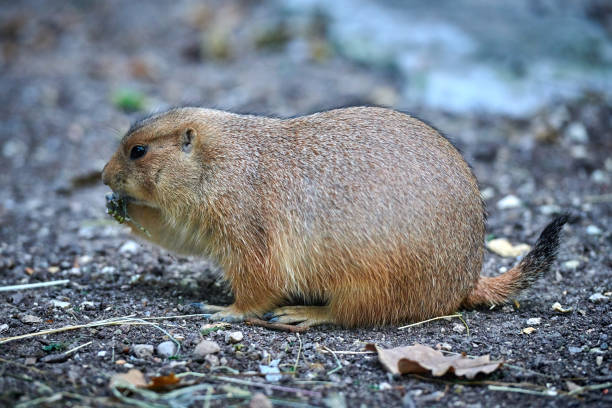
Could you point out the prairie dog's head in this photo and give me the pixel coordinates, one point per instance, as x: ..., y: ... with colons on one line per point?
x: 159, y: 160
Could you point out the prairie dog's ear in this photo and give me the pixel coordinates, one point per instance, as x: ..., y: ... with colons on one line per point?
x: 187, y: 139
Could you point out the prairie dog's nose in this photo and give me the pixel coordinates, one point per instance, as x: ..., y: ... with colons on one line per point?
x: 105, y: 176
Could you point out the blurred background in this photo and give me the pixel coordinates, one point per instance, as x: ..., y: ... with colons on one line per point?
x: 492, y: 75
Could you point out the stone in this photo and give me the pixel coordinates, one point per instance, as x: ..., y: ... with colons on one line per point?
x: 508, y: 202
x: 384, y: 386
x: 30, y: 319
x: 534, y: 321
x: 234, y: 337
x: 576, y: 132
x: 212, y: 359
x: 129, y: 247
x: 598, y: 297
x: 166, y: 349
x: 593, y: 230
x: 458, y: 327
x: 571, y: 265
x: 206, y: 347
x: 60, y: 304
x: 142, y: 350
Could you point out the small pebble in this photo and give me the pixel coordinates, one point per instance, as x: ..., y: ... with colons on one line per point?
x: 603, y: 346
x: 166, y: 349
x: 550, y: 209
x: 534, y: 321
x: 600, y: 177
x: 30, y: 319
x: 3, y: 327
x: 574, y: 350
x: 206, y: 347
x: 593, y: 230
x: 212, y: 359
x: 129, y: 247
x: 508, y: 202
x: 143, y: 350
x: 75, y: 271
x: 598, y: 297
x: 576, y: 132
x: 88, y: 305
x: 599, y: 360
x: 234, y: 337
x: 259, y: 400
x: 60, y: 304
x: 384, y: 386
x: 571, y: 265
x: 459, y: 328
x: 101, y: 353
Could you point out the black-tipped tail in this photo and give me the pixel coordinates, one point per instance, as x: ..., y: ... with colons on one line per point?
x: 502, y: 288
x: 538, y: 261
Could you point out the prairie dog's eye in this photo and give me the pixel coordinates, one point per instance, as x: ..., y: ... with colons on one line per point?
x: 137, y: 152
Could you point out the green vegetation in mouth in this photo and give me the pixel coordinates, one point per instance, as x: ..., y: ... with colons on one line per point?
x: 116, y: 207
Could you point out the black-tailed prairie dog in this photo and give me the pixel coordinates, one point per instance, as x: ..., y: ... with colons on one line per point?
x: 362, y: 216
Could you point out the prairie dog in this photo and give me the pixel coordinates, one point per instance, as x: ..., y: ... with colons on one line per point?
x: 367, y: 212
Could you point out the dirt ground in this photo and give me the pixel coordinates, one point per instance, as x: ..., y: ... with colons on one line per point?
x: 73, y: 77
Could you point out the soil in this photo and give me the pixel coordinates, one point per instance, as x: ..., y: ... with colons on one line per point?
x: 63, y: 66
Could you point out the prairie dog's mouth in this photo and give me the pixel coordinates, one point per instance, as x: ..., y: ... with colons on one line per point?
x: 116, y: 207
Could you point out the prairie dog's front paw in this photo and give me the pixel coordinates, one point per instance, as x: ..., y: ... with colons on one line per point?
x: 225, y: 313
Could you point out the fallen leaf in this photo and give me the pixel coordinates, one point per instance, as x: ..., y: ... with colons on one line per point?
x: 528, y: 330
x: 423, y: 359
x: 503, y: 247
x: 133, y: 378
x: 163, y: 383
x: 558, y: 308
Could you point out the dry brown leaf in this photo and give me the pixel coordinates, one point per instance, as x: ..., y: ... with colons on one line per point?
x: 503, y: 247
x: 558, y: 308
x: 133, y: 377
x: 528, y: 330
x: 163, y: 383
x: 421, y: 359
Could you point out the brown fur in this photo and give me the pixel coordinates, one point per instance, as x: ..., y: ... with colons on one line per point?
x: 367, y: 209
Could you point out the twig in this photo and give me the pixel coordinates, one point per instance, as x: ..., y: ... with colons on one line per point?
x: 276, y: 326
x: 339, y: 367
x: 253, y: 384
x: 114, y: 321
x: 175, y: 316
x: 345, y: 351
x: 77, y: 348
x: 34, y: 285
x: 549, y: 393
x: 297, y: 359
x: 438, y: 318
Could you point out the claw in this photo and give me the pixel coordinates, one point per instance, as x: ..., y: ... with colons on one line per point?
x: 268, y: 315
